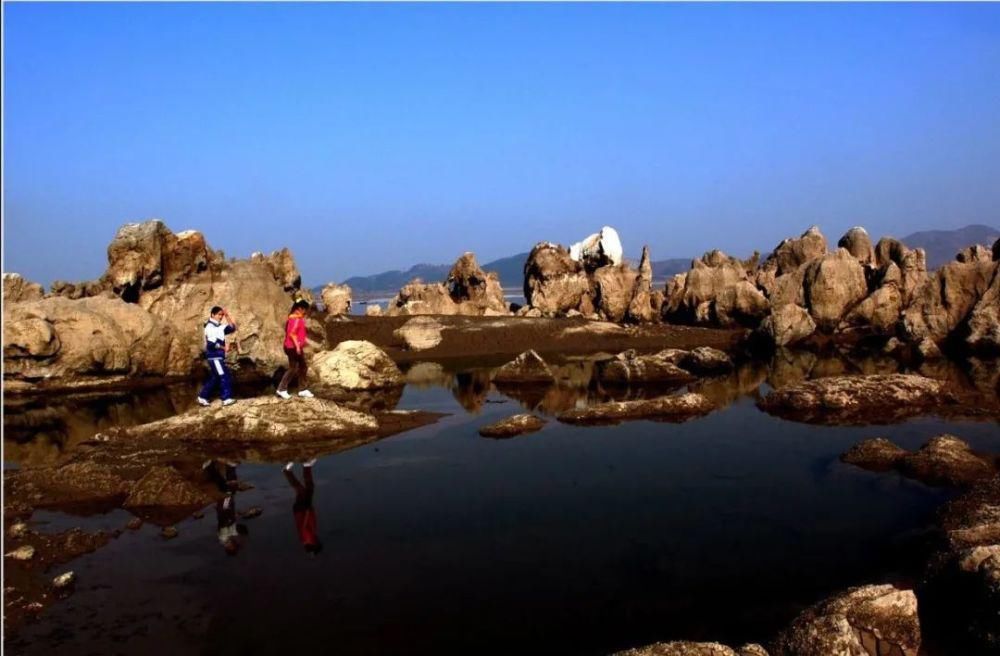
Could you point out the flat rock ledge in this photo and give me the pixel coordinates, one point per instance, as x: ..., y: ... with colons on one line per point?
x: 853, y: 399
x: 943, y: 460
x: 260, y: 419
x: 664, y: 408
x: 513, y: 426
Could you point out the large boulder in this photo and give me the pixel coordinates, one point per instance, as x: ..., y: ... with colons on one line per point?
x: 879, y: 312
x: 631, y: 367
x: 283, y: 269
x: 469, y: 284
x: 787, y: 325
x: 866, y: 621
x: 944, y: 303
x: 832, y: 285
x: 713, y: 283
x: 947, y: 460
x: 600, y: 249
x: 790, y: 254
x: 16, y: 289
x: 554, y: 283
x: 912, y: 264
x: 419, y: 333
x: 336, y: 298
x: 417, y: 297
x: 82, y: 342
x: 613, y: 290
x: 356, y: 365
x: 857, y: 242
x: 983, y: 324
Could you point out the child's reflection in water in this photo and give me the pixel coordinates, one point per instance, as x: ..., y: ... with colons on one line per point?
x: 225, y: 509
x: 302, y: 509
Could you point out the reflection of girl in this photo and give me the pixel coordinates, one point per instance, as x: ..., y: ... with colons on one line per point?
x: 295, y: 344
x: 302, y: 509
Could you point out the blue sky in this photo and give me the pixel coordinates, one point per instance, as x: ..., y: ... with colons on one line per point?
x: 369, y: 137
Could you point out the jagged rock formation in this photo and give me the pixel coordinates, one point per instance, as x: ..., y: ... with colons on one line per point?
x: 17, y: 289
x: 145, y: 315
x: 336, y: 299
x: 468, y: 291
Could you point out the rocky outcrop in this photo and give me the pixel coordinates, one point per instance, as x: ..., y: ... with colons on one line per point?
x: 528, y: 367
x: 706, y: 361
x: 631, y: 367
x: 865, y: 621
x: 17, y: 289
x: 420, y: 333
x: 665, y: 408
x: 787, y: 325
x: 943, y: 460
x: 87, y: 342
x: 832, y: 285
x: 355, y: 365
x: 640, y: 308
x: 717, y: 290
x: 864, y: 399
x: 468, y: 291
x: 336, y: 299
x: 944, y: 304
x: 513, y: 426
x: 613, y: 287
x: 282, y: 266
x: 260, y: 419
x: 790, y: 254
x: 857, y: 242
x: 555, y: 283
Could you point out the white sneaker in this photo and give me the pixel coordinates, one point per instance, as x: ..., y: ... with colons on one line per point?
x: 289, y: 466
x: 283, y: 394
x: 203, y: 402
x: 309, y: 463
x: 229, y: 402
x: 306, y: 394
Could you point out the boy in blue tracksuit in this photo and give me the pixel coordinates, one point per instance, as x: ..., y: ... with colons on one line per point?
x: 219, y: 325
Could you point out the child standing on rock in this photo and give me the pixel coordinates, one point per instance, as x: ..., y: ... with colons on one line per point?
x: 215, y: 354
x: 295, y: 344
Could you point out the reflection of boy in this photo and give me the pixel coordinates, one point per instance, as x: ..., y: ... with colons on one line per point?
x: 225, y: 508
x: 302, y: 509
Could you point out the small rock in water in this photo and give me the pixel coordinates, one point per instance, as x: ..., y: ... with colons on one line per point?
x: 198, y: 514
x: 64, y: 581
x: 169, y: 532
x: 134, y: 524
x: 250, y: 513
x: 24, y: 552
x: 243, y: 486
x: 18, y: 530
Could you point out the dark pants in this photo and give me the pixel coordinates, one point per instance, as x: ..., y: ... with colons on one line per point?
x: 303, y: 493
x: 218, y: 376
x: 296, y: 370
x: 225, y: 508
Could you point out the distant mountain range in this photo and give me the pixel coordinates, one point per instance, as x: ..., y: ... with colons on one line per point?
x: 941, y: 247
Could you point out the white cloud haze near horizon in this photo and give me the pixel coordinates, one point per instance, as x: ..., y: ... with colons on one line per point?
x: 374, y: 137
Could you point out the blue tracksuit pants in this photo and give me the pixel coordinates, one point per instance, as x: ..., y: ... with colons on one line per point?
x: 218, y: 376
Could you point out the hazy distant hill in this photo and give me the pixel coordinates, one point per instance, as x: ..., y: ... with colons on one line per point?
x: 942, y: 245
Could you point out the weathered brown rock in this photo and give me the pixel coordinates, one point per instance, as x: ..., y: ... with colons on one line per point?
x: 712, y: 277
x: 469, y: 284
x: 512, y: 426
x: 790, y: 254
x: 876, y: 454
x: 553, y: 282
x: 866, y: 621
x: 260, y: 419
x: 831, y: 286
x: 665, y: 408
x: 164, y: 486
x: 336, y: 298
x: 880, y: 311
x: 17, y: 289
x: 631, y: 367
x: 76, y: 343
x: 283, y: 269
x: 983, y: 324
x: 706, y: 361
x: 975, y: 253
x: 866, y: 399
x: 641, y: 308
x: 356, y: 365
x: 613, y: 290
x: 947, y: 460
x: 787, y: 325
x: 946, y: 300
x: 857, y: 242
x: 528, y: 367
x: 419, y: 333
x: 683, y: 648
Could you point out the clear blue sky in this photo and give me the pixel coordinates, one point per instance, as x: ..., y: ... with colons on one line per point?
x: 369, y: 137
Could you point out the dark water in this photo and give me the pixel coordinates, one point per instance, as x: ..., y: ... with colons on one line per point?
x: 567, y: 541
